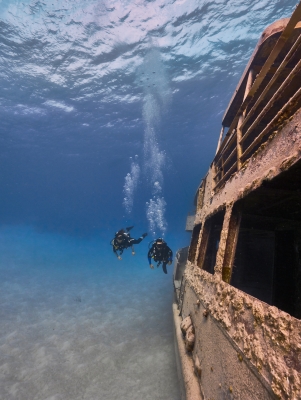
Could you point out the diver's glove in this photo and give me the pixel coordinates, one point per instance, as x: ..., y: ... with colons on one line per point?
x: 144, y: 235
x: 169, y: 262
x: 151, y: 266
x: 119, y: 258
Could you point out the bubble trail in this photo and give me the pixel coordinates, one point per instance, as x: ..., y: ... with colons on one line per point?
x: 156, y: 99
x: 155, y: 210
x: 130, y: 184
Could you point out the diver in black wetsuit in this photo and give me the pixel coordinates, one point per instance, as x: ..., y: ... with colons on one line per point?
x: 123, y: 240
x: 160, y: 253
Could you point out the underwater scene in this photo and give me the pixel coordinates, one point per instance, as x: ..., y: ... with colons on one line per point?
x: 110, y: 113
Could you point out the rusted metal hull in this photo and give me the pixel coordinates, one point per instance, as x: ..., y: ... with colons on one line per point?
x: 248, y: 349
x: 238, y: 295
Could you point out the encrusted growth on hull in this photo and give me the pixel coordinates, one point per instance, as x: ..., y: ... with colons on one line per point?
x: 239, y: 293
x: 267, y: 338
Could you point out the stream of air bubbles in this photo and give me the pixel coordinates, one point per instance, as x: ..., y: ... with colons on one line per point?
x: 156, y: 97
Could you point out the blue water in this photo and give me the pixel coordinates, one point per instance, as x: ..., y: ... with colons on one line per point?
x: 109, y: 116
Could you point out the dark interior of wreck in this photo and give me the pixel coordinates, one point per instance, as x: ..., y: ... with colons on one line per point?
x: 267, y: 260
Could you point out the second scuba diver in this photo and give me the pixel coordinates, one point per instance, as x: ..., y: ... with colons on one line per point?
x: 123, y: 240
x: 160, y: 253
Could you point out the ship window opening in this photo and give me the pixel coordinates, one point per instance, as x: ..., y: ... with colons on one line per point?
x: 267, y: 263
x: 254, y: 262
x: 285, y: 273
x: 194, y: 242
x: 210, y: 242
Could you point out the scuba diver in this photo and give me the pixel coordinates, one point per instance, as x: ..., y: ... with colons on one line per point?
x: 161, y: 253
x: 123, y: 240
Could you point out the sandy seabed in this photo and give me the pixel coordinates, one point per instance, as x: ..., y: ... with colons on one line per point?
x: 77, y: 324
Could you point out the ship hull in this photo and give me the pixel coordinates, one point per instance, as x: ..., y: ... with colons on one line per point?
x: 237, y: 308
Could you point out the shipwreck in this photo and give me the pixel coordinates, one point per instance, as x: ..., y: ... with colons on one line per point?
x: 237, y: 305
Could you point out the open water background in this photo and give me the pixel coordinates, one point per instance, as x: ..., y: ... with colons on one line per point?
x: 109, y: 116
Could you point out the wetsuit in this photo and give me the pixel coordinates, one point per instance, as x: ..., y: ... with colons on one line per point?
x: 160, y: 254
x: 127, y: 241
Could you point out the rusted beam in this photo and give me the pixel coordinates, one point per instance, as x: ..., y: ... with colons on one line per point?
x: 267, y: 68
x: 279, y: 70
x: 229, y: 136
x: 226, y: 176
x: 221, y: 170
x: 216, y: 170
x: 231, y: 242
x: 201, y: 194
x: 239, y: 137
x: 220, y: 139
x: 241, y: 120
x: 232, y: 129
x: 194, y: 243
x: 232, y: 139
x: 271, y: 125
x: 249, y: 83
x: 223, y: 166
x: 203, y: 243
x: 295, y: 18
x: 275, y: 97
x: 231, y: 155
